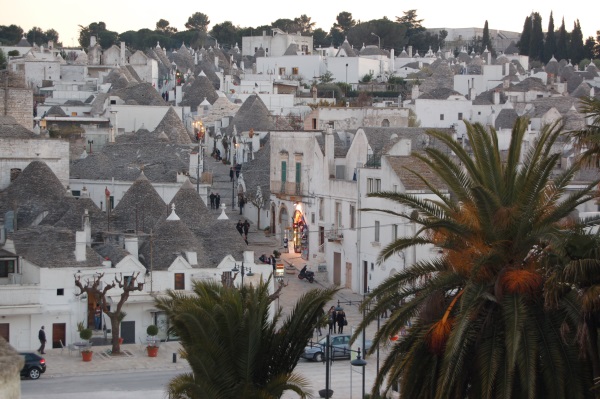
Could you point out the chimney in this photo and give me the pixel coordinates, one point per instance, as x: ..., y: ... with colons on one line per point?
x: 409, y: 51
x: 80, y: 246
x: 392, y: 59
x: 489, y: 58
x: 92, y: 41
x: 122, y: 53
x: 249, y: 257
x: 329, y: 154
x: 496, y: 97
x: 87, y: 228
x: 131, y: 246
x: 50, y: 45
x: 472, y: 89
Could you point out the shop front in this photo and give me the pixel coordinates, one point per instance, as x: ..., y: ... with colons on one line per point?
x: 300, y: 234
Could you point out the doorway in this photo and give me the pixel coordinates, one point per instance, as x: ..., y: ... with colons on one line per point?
x: 5, y: 331
x: 128, y: 332
x: 337, y: 268
x: 59, y: 333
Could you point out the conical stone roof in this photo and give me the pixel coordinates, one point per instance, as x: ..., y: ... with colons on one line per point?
x: 140, y: 208
x: 200, y: 89
x: 172, y: 238
x: 253, y: 114
x: 173, y: 127
x: 219, y: 237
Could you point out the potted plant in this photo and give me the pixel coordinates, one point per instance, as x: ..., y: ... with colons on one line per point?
x: 152, y: 348
x: 86, y: 353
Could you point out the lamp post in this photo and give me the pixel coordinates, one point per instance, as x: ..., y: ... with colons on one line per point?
x: 243, y: 270
x: 378, y: 39
x: 328, y: 358
x: 90, y: 142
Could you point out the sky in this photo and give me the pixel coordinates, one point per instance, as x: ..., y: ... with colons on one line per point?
x: 122, y: 15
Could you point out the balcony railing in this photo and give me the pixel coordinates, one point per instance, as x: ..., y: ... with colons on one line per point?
x: 286, y: 187
x: 373, y: 161
x: 335, y: 235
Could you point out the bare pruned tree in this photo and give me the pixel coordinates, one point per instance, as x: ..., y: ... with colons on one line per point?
x: 128, y: 284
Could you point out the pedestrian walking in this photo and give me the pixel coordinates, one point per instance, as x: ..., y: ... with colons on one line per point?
x: 241, y: 203
x: 238, y: 168
x: 331, y: 319
x: 217, y: 200
x: 240, y: 227
x: 42, y: 338
x: 212, y: 200
x: 246, y: 228
x: 341, y: 321
x: 231, y: 174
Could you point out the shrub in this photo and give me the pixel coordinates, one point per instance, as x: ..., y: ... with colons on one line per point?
x: 152, y: 330
x: 85, y: 334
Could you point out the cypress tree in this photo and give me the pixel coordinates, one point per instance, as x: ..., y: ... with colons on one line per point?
x: 576, y: 44
x: 550, y: 43
x: 561, y: 42
x: 525, y: 37
x: 536, y: 41
x: 486, y: 41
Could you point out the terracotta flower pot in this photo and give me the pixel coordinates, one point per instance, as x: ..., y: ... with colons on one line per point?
x: 120, y: 341
x: 87, y: 356
x: 152, y: 351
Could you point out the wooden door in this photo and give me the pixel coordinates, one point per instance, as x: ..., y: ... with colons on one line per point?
x: 5, y: 331
x: 337, y: 268
x: 59, y: 334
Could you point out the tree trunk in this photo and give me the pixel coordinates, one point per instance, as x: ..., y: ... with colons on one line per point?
x: 116, y: 332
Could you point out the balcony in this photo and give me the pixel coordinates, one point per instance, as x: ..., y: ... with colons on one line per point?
x: 335, y: 235
x: 373, y: 161
x: 286, y: 187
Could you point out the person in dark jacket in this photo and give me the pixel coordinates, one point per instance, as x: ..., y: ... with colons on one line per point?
x: 341, y: 321
x: 331, y: 319
x: 212, y: 200
x: 231, y: 174
x: 42, y: 338
x: 240, y: 227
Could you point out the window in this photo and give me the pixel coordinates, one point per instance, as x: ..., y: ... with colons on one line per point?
x: 394, y: 232
x: 179, y: 281
x: 7, y: 266
x: 283, y: 171
x: 338, y: 215
x: 377, y: 185
x: 369, y: 185
x: 460, y: 116
x: 376, y: 231
x: 298, y: 172
x: 60, y: 291
x: 295, y: 71
x: 479, y: 113
x: 312, y: 218
x: 282, y: 71
x: 321, y: 208
x: 372, y: 266
x: 441, y: 117
x: 352, y: 216
x: 255, y: 49
x: 127, y: 280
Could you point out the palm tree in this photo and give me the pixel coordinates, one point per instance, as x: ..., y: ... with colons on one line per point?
x: 480, y: 328
x: 588, y: 138
x: 233, y: 345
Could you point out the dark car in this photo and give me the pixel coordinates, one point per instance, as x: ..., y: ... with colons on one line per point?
x: 340, y: 348
x: 34, y: 366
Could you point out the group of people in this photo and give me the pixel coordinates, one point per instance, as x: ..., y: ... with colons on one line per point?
x: 336, y: 317
x: 234, y: 171
x: 215, y: 200
x: 243, y: 228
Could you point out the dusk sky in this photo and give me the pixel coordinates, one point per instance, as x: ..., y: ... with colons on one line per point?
x: 120, y: 16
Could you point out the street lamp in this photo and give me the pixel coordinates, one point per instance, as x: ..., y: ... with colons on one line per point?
x: 378, y: 39
x: 243, y: 270
x: 328, y: 358
x: 364, y: 333
x: 90, y: 142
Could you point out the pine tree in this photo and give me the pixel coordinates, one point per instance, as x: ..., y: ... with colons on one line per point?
x: 576, y: 45
x: 525, y: 37
x: 536, y: 41
x: 486, y: 41
x: 550, y: 43
x: 561, y: 43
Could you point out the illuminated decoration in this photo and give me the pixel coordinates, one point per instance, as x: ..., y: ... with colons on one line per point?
x: 300, y: 232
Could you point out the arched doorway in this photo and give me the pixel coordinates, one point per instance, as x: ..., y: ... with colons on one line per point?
x: 385, y: 123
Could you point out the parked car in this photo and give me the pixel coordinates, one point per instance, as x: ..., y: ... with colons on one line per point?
x: 340, y: 348
x: 34, y: 366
